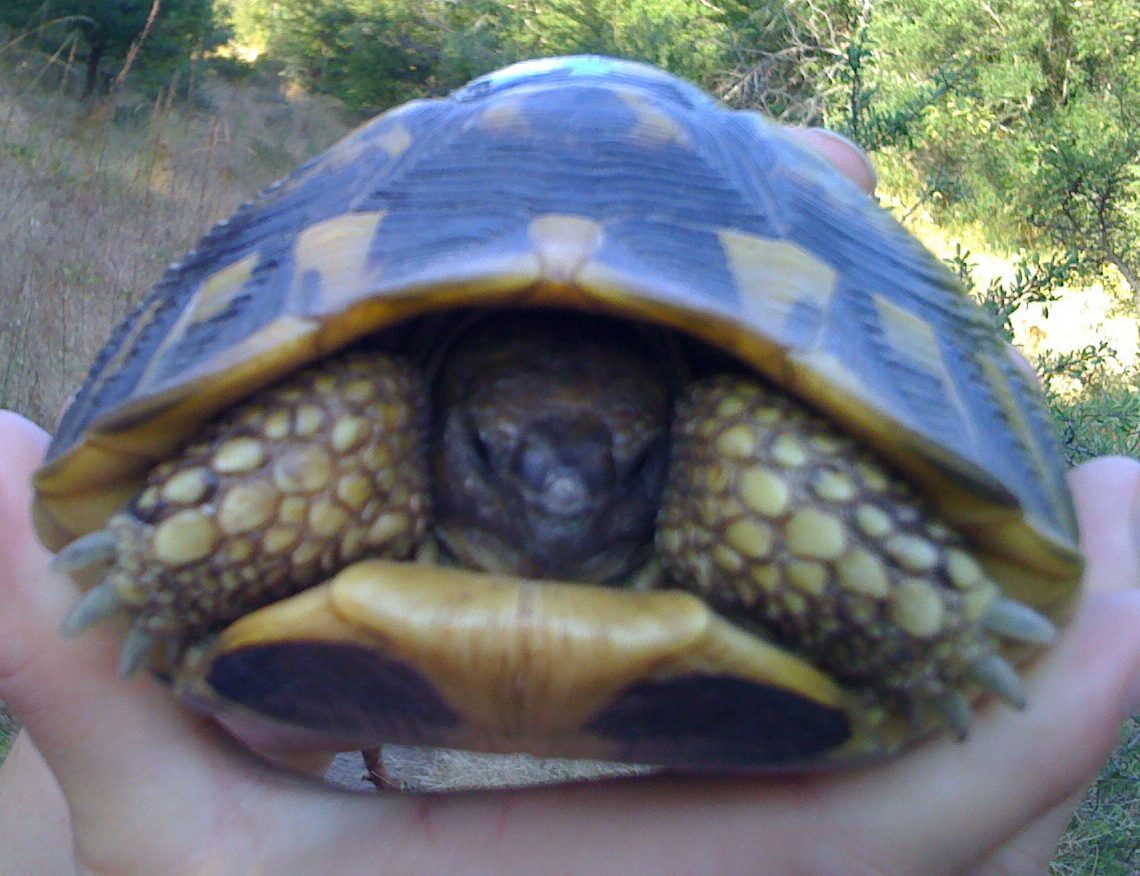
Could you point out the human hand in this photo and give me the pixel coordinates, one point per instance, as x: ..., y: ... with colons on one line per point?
x: 152, y: 787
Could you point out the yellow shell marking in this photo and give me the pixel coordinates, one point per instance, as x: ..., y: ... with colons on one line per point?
x: 564, y: 244
x: 304, y: 470
x: 751, y: 537
x: 218, y: 291
x: 502, y: 117
x: 912, y: 552
x: 335, y: 252
x: 809, y: 577
x: 914, y: 341
x: 873, y: 521
x: 653, y: 127
x: 775, y: 276
x: 736, y: 442
x: 394, y: 140
x: 963, y: 569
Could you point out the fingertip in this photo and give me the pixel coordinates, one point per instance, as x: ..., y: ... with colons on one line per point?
x: 1106, y: 493
x: 24, y: 445
x: 17, y: 428
x: 841, y: 152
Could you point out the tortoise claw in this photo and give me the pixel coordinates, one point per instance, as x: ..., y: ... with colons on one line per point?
x: 93, y: 549
x: 955, y: 711
x: 998, y: 676
x: 1010, y: 619
x: 137, y: 648
x: 97, y: 604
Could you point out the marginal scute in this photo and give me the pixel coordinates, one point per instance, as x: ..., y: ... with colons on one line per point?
x: 564, y: 244
x: 777, y: 278
x: 332, y: 258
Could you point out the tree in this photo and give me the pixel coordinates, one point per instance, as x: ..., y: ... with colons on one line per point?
x: 108, y: 28
x: 1085, y: 189
x: 1039, y: 140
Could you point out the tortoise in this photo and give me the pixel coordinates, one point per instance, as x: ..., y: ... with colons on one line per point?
x: 574, y: 413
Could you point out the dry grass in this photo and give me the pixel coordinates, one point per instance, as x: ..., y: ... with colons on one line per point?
x: 96, y: 200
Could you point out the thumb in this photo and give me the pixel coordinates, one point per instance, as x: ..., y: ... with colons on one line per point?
x: 95, y: 731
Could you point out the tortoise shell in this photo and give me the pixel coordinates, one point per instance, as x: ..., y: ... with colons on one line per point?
x: 611, y: 187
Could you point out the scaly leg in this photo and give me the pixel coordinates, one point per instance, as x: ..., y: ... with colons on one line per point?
x: 787, y: 526
x: 274, y: 496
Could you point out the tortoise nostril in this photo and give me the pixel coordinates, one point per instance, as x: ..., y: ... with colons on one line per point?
x: 565, y: 495
x: 565, y: 465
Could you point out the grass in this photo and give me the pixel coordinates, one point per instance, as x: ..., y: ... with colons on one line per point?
x: 98, y: 199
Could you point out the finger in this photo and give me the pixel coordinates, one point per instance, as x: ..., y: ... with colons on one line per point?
x: 1015, y: 767
x: 1031, y: 850
x: 842, y: 153
x: 92, y: 728
x: 38, y: 840
x: 1106, y: 492
x: 144, y: 779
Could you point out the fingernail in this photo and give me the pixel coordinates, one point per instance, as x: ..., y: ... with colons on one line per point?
x: 841, y: 150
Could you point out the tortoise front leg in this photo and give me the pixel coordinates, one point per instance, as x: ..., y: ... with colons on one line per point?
x: 273, y: 497
x: 790, y: 528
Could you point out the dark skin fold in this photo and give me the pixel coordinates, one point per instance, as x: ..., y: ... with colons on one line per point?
x: 116, y: 778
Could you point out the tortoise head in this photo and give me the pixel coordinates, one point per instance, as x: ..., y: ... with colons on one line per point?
x: 549, y: 446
